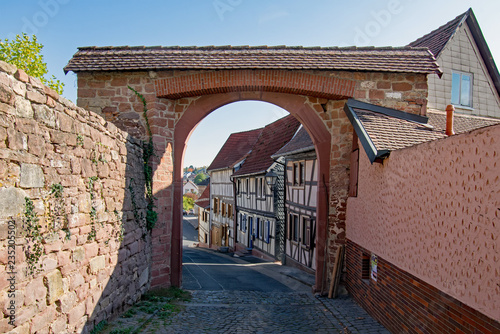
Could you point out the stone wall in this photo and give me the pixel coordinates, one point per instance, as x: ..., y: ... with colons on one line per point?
x: 77, y: 170
x: 432, y: 210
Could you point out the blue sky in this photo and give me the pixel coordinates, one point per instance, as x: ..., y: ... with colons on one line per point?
x: 64, y: 25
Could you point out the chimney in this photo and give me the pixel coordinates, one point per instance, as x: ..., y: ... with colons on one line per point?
x: 449, y: 120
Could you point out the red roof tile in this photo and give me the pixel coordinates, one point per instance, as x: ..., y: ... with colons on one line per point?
x: 273, y: 137
x: 236, y: 147
x: 391, y: 133
x: 204, y: 200
x: 437, y: 39
x: 126, y: 58
x: 382, y: 130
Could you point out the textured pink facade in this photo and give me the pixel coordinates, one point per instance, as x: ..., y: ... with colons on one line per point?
x: 433, y: 210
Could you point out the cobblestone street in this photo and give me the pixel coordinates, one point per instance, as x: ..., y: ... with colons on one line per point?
x: 261, y: 312
x: 247, y: 295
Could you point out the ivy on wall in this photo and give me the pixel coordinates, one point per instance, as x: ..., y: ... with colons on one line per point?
x: 148, y: 153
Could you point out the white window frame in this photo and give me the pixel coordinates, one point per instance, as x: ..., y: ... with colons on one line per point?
x: 459, y: 102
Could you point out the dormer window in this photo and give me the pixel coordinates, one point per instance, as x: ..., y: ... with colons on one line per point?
x: 461, y: 89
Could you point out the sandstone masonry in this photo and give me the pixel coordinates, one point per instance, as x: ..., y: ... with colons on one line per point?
x: 96, y: 258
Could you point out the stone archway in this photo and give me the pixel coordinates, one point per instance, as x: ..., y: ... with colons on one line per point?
x: 304, y: 95
x: 299, y: 107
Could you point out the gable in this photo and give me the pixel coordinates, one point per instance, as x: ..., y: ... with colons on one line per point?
x: 461, y: 54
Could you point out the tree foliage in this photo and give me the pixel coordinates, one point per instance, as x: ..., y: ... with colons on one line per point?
x: 187, y: 203
x: 25, y: 53
x: 199, y: 178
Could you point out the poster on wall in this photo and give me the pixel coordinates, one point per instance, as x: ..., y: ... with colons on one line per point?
x: 373, y: 267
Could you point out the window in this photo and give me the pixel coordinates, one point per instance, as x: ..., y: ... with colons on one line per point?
x: 258, y: 231
x: 216, y: 205
x: 243, y: 223
x: 306, y: 232
x: 230, y: 210
x: 223, y: 206
x: 247, y: 187
x: 293, y: 227
x: 461, y: 89
x: 302, y: 176
x: 260, y: 188
x: 299, y: 171
x: 267, y: 231
x: 250, y: 226
x: 238, y: 187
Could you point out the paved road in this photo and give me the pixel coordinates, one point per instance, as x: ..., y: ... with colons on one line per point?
x: 189, y: 233
x: 246, y: 295
x: 204, y: 270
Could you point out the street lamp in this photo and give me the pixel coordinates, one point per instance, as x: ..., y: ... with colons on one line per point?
x: 271, y: 178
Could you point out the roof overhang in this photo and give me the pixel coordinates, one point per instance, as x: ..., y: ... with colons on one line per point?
x: 375, y: 155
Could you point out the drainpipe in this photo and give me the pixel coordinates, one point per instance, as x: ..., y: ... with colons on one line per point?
x: 449, y: 120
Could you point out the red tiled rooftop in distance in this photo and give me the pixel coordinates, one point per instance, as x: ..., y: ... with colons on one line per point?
x: 236, y: 147
x: 273, y: 137
x: 204, y: 200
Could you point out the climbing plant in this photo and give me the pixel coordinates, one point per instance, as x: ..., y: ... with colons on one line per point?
x: 93, y: 211
x: 148, y: 153
x: 33, y: 248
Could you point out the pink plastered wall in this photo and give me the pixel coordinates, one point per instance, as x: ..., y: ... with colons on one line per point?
x: 433, y: 210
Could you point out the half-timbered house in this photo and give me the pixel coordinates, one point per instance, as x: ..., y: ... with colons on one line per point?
x: 260, y: 218
x: 301, y: 183
x: 203, y: 205
x: 230, y: 157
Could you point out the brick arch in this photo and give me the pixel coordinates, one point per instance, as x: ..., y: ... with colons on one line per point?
x: 279, y: 81
x: 296, y: 105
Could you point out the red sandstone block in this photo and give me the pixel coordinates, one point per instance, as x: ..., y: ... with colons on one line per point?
x: 50, y: 92
x: 102, y: 77
x: 43, y: 319
x: 21, y: 76
x: 76, y: 314
x: 119, y: 82
x: 376, y: 94
x: 383, y: 85
x: 360, y: 94
x: 401, y: 86
x: 421, y: 85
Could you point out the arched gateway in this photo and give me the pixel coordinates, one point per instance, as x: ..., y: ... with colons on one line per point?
x: 184, y: 84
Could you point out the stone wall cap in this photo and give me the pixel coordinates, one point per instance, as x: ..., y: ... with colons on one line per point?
x: 135, y: 58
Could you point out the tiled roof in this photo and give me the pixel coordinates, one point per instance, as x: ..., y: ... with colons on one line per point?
x: 301, y: 142
x: 437, y: 39
x: 273, y: 137
x: 204, y: 200
x: 236, y: 147
x: 461, y: 123
x: 388, y: 133
x: 126, y: 58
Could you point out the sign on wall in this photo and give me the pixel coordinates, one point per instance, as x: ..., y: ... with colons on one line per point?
x: 373, y: 267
